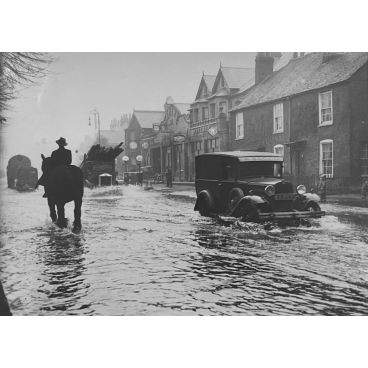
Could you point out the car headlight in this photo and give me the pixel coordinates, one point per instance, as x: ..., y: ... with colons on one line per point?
x: 301, y: 189
x: 270, y: 190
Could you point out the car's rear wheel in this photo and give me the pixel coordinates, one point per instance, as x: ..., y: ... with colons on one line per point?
x: 250, y: 213
x: 206, y: 204
x: 235, y: 195
x: 313, y: 206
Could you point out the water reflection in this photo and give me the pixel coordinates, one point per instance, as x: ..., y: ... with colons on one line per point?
x: 63, y: 272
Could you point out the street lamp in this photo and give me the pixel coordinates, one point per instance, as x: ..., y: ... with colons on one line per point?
x: 139, y: 159
x: 126, y: 175
x: 97, y: 119
x: 125, y: 159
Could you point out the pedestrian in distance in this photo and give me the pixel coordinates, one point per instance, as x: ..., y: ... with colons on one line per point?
x: 364, y: 191
x: 322, y: 187
x: 168, y: 175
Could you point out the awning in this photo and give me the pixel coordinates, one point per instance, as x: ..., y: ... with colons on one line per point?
x: 299, y: 144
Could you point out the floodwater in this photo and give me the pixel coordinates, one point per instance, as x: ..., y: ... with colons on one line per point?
x: 148, y: 253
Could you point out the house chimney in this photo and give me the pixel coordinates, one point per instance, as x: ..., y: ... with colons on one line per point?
x: 264, y: 66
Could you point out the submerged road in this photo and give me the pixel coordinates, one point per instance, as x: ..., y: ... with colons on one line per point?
x: 148, y: 253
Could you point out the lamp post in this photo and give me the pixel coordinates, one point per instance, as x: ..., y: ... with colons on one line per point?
x: 126, y: 175
x: 125, y: 159
x: 97, y: 119
x: 139, y: 159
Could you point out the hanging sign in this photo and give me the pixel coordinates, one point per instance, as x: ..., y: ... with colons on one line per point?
x: 145, y: 145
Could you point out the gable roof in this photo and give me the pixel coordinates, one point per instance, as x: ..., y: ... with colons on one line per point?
x: 304, y: 74
x: 236, y: 77
x: 147, y: 118
x: 209, y: 80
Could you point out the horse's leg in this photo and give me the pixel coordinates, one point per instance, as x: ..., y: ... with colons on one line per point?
x: 77, y: 213
x: 61, y: 215
x: 51, y: 203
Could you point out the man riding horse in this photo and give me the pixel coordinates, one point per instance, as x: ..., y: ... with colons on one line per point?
x: 63, y: 183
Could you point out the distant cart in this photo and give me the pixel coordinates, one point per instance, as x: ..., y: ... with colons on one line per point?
x: 98, y: 165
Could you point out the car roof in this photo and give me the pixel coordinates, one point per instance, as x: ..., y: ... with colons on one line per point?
x: 247, y: 155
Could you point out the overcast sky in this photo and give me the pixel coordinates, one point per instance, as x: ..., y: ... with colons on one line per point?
x: 114, y: 83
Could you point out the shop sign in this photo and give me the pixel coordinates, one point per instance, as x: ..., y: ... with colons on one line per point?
x: 145, y: 145
x: 203, y: 129
x: 212, y: 131
x: 179, y: 138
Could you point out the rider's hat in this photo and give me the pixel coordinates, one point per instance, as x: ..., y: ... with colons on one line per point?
x: 61, y: 141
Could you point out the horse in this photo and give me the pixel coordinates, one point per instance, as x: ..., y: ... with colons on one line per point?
x: 62, y: 184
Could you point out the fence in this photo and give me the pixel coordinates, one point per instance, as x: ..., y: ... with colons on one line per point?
x: 335, y: 185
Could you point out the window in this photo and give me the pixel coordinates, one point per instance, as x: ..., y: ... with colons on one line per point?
x: 239, y: 133
x: 326, y: 158
x: 325, y: 108
x: 132, y: 136
x: 204, y: 113
x: 279, y: 149
x: 223, y: 105
x: 278, y: 118
x: 222, y: 81
x: 364, y: 157
x: 198, y: 146
x: 205, y: 89
x: 196, y: 115
x: 213, y: 110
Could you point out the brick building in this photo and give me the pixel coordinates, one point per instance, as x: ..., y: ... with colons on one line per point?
x: 313, y: 111
x: 141, y: 123
x: 167, y: 144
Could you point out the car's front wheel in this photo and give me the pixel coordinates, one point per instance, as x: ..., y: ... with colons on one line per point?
x: 250, y: 213
x: 313, y: 206
x: 235, y: 195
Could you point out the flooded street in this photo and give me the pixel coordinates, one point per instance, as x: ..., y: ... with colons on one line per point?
x: 148, y: 253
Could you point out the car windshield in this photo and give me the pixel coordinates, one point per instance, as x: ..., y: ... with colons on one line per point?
x: 259, y: 168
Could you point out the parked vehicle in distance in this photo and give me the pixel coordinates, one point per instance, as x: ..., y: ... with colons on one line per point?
x: 249, y: 185
x: 20, y: 174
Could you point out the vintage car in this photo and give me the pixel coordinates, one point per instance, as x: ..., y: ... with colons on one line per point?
x: 249, y: 185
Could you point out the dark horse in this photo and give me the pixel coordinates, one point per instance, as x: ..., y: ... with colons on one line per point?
x: 62, y: 184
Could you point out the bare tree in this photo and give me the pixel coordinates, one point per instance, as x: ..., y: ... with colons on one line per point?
x: 19, y: 70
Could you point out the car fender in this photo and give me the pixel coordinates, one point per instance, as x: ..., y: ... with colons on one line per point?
x: 253, y: 199
x: 301, y: 202
x: 201, y: 196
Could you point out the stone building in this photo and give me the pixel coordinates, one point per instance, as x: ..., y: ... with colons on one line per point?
x: 313, y: 111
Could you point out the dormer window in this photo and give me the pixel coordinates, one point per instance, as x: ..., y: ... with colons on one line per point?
x: 205, y: 90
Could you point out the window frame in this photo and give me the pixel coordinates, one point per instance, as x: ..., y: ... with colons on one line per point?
x: 281, y: 130
x: 321, y: 166
x: 240, y: 136
x: 327, y: 122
